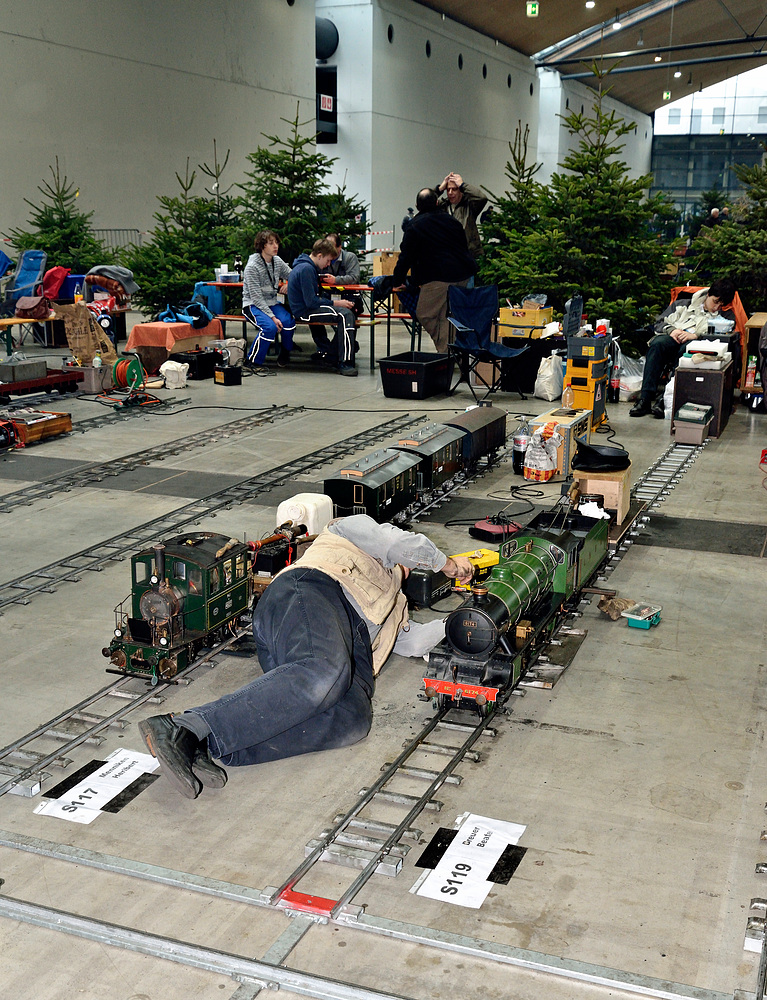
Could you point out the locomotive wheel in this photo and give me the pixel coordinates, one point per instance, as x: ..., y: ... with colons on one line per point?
x: 167, y: 667
x: 119, y: 659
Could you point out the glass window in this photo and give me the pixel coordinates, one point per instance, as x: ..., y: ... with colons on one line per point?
x: 674, y: 116
x: 240, y: 565
x: 228, y: 566
x: 195, y: 580
x: 214, y: 580
x: 179, y: 570
x: 140, y: 572
x: 762, y: 115
x: 717, y: 116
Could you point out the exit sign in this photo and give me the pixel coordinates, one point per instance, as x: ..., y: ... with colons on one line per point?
x: 666, y: 95
x: 532, y: 8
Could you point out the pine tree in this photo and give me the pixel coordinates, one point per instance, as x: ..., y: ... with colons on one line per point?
x: 59, y: 228
x: 287, y: 191
x: 192, y: 235
x: 738, y: 250
x: 587, y: 232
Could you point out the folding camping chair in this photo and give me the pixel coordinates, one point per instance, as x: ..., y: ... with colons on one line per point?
x: 473, y: 312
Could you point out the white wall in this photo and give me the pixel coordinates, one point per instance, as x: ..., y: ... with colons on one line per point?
x: 743, y: 99
x: 413, y: 119
x: 558, y: 98
x: 124, y: 92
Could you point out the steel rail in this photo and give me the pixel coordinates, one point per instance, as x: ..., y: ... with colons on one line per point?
x: 95, y: 472
x: 262, y: 973
x: 107, y: 721
x: 68, y: 569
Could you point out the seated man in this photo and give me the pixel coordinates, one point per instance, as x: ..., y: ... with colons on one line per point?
x: 308, y: 306
x: 689, y: 321
x: 264, y: 273
x: 323, y: 630
x: 344, y: 270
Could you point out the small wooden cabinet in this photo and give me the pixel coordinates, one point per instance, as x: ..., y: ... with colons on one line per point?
x: 713, y: 388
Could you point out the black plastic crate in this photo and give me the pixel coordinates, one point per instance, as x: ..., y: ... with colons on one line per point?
x: 416, y: 374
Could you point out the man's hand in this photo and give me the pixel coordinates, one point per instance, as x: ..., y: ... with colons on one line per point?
x: 328, y: 279
x: 443, y: 185
x: 682, y: 336
x: 459, y: 568
x: 344, y: 303
x: 277, y: 323
x: 456, y: 179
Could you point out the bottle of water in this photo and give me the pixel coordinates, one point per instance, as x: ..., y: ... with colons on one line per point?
x: 568, y: 397
x: 97, y: 361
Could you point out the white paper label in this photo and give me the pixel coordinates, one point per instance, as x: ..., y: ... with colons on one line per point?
x: 461, y: 876
x: 83, y: 803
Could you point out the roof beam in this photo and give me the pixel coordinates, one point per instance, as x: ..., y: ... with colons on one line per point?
x: 576, y: 43
x: 635, y: 53
x: 667, y: 65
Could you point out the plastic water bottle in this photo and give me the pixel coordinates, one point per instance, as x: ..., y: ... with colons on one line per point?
x: 520, y: 441
x: 568, y: 397
x: 97, y: 361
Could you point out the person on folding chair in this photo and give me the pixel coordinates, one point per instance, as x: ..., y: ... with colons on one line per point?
x: 264, y: 273
x: 308, y: 306
x: 435, y: 251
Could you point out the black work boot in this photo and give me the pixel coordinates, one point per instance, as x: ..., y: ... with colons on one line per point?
x: 209, y: 773
x: 641, y: 408
x: 658, y: 409
x: 175, y: 748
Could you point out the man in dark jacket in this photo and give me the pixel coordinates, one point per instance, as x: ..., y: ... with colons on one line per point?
x: 308, y: 306
x: 435, y: 251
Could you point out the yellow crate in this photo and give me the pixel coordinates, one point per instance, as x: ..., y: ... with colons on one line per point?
x: 521, y: 322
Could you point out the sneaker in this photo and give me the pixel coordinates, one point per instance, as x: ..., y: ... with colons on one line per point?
x: 209, y: 773
x: 284, y: 358
x: 174, y: 747
x: 640, y: 409
x: 349, y: 370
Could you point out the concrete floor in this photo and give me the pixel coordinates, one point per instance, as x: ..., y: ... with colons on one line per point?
x: 640, y: 777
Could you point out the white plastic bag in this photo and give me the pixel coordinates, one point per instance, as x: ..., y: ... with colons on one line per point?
x: 236, y: 348
x: 541, y: 455
x: 668, y: 398
x: 548, y: 383
x: 174, y: 374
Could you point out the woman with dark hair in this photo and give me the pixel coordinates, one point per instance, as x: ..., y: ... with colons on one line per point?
x: 262, y: 285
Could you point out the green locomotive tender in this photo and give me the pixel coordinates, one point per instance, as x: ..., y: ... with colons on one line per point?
x: 186, y: 593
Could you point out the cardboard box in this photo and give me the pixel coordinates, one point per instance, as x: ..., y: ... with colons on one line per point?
x: 384, y: 263
x: 573, y: 424
x: 522, y: 322
x: 615, y: 487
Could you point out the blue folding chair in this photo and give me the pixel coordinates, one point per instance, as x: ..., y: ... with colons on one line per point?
x: 473, y: 312
x: 27, y: 280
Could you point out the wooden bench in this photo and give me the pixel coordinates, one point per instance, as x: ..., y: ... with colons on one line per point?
x: 365, y: 320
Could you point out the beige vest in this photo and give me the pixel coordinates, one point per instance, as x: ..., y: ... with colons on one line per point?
x: 375, y: 589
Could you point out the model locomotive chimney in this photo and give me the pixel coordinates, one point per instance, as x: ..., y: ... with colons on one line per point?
x: 159, y: 562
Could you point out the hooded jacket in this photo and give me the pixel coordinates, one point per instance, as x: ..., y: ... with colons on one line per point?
x: 304, y: 287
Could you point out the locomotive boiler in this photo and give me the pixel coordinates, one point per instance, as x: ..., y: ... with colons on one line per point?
x: 497, y: 633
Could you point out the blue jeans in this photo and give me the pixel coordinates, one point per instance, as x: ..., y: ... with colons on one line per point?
x: 662, y: 351
x: 317, y: 685
x: 266, y: 330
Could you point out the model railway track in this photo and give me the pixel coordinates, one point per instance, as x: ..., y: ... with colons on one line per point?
x: 93, y: 559
x: 97, y: 472
x: 22, y: 769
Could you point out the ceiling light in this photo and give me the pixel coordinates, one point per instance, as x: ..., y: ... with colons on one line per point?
x: 590, y: 4
x: 617, y: 26
x: 659, y: 58
x: 677, y: 74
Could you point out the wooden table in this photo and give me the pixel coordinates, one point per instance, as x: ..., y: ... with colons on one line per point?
x: 6, y: 326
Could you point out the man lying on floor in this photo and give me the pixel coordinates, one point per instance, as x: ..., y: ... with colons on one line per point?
x: 323, y: 629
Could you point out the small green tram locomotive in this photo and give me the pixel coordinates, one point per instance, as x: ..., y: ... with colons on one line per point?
x: 185, y: 594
